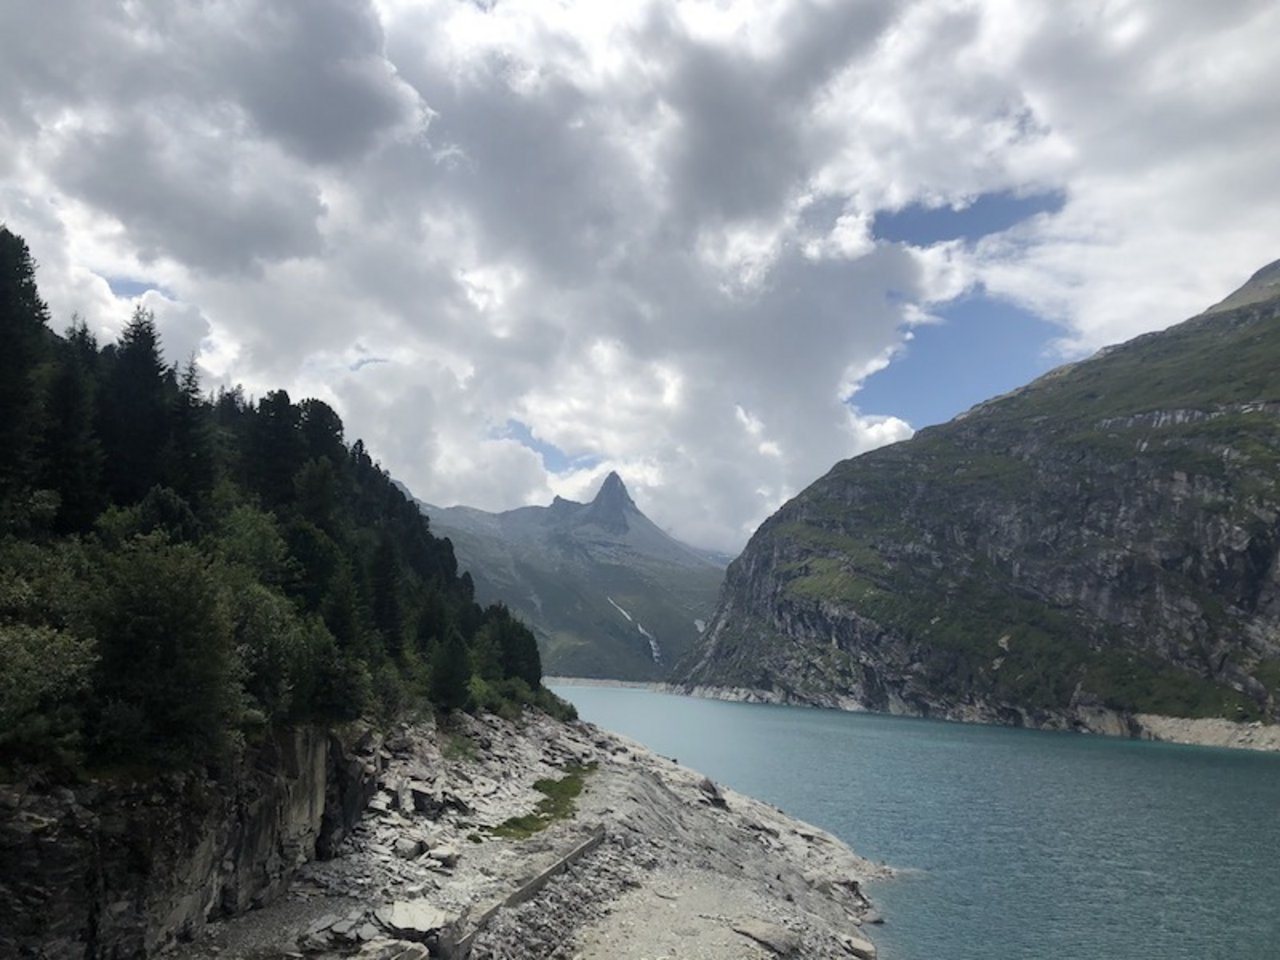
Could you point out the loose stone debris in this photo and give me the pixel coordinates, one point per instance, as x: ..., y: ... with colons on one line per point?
x: 655, y: 860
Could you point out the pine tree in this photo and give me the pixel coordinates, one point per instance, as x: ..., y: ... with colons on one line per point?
x: 71, y: 451
x: 134, y: 411
x: 451, y: 673
x: 321, y: 430
x: 190, y: 460
x: 275, y: 448
x: 520, y: 657
x: 384, y: 579
x: 23, y: 319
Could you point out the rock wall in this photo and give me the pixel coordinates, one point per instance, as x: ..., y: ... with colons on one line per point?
x: 119, y: 869
x: 1102, y: 543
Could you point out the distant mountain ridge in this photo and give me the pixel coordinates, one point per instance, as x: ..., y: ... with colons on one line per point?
x: 607, y: 592
x: 1101, y: 543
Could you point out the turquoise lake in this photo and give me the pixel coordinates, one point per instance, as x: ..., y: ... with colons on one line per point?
x: 1014, y: 844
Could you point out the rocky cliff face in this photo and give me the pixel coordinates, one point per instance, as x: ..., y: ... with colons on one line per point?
x: 1100, y: 543
x: 115, y: 869
x: 607, y: 592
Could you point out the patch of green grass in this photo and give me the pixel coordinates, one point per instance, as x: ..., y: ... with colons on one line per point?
x: 458, y: 746
x: 1267, y: 673
x: 557, y: 804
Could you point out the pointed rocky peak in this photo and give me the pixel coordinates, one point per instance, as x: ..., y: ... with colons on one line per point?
x: 611, y: 505
x: 614, y: 492
x: 1262, y: 286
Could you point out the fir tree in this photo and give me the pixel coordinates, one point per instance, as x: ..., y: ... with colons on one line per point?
x: 134, y: 411
x: 450, y: 673
x: 190, y: 460
x: 23, y: 319
x: 71, y: 451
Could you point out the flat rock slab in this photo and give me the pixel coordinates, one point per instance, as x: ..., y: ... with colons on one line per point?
x: 778, y: 939
x: 414, y: 919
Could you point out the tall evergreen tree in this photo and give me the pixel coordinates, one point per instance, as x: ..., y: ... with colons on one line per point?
x: 190, y: 461
x: 275, y: 448
x: 321, y: 430
x: 71, y: 460
x: 384, y: 580
x: 23, y: 319
x: 134, y: 411
x: 450, y: 672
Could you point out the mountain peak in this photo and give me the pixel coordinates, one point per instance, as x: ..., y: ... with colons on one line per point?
x: 611, y: 505
x: 1262, y: 286
x: 614, y: 489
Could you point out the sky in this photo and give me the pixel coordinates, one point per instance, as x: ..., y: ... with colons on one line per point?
x: 715, y: 245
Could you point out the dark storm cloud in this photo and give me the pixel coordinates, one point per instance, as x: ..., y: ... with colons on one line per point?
x: 189, y: 195
x: 311, y: 75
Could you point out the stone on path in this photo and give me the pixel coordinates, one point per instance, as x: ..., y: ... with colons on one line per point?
x: 408, y: 848
x: 413, y: 919
x: 778, y: 939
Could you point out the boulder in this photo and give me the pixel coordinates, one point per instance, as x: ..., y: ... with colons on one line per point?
x: 711, y: 793
x: 860, y: 948
x: 407, y: 848
x: 779, y: 939
x: 447, y: 854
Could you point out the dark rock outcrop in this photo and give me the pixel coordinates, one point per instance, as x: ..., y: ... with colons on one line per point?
x: 117, y: 868
x: 1101, y: 543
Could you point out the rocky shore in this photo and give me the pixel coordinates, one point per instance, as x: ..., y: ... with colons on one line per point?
x: 475, y: 844
x: 1202, y: 731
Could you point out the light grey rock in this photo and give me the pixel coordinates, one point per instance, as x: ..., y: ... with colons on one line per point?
x: 414, y: 919
x: 863, y: 949
x: 780, y: 940
x: 407, y: 848
x: 447, y: 854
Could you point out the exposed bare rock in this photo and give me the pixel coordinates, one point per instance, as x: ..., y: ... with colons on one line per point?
x: 780, y: 940
x: 655, y: 859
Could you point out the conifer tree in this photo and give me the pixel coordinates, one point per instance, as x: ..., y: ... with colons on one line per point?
x: 450, y: 672
x: 71, y: 453
x: 134, y: 411
x: 23, y: 319
x: 384, y: 580
x: 190, y: 461
x: 275, y: 448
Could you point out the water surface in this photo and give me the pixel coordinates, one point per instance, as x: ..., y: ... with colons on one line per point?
x: 1022, y: 844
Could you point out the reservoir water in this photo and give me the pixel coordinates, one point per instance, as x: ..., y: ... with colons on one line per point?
x: 1016, y: 844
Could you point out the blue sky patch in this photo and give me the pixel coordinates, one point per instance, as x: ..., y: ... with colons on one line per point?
x: 983, y: 347
x: 553, y: 458
x: 990, y: 213
x: 129, y: 287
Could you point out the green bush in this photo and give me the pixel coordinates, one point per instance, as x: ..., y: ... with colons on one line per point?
x: 165, y: 637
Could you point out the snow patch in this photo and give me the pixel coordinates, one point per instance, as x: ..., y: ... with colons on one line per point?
x: 655, y: 650
x: 620, y: 610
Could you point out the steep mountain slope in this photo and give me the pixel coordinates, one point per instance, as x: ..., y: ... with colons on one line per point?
x: 607, y: 592
x: 1103, y: 541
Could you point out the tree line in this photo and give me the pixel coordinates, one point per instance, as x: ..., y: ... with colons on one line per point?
x: 180, y: 572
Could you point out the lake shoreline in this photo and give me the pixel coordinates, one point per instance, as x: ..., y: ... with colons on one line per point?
x: 449, y: 856
x: 1188, y: 731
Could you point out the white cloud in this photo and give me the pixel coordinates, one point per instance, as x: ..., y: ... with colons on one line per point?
x: 628, y: 226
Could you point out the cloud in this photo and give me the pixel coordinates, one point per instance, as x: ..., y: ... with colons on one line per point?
x: 641, y: 231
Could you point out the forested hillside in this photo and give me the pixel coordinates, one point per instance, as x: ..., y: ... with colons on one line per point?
x: 180, y: 572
